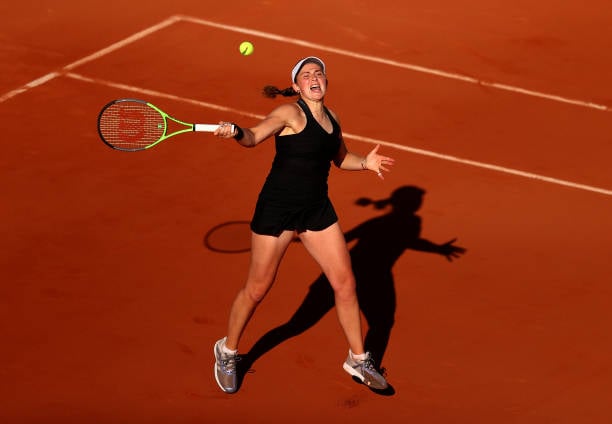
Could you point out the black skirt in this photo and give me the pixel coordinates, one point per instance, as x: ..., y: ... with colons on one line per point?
x: 272, y: 217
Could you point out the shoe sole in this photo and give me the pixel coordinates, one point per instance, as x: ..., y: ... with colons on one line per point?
x: 352, y: 372
x: 356, y: 374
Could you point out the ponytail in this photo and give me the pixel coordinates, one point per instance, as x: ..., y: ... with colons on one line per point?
x: 272, y: 91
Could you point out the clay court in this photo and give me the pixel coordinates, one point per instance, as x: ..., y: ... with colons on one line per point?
x: 118, y: 269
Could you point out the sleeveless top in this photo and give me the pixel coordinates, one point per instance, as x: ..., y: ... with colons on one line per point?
x: 295, y: 194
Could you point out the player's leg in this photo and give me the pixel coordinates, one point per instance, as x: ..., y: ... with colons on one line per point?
x: 266, y: 254
x: 328, y: 248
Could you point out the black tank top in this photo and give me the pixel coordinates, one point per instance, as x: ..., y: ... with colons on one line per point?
x: 302, y: 162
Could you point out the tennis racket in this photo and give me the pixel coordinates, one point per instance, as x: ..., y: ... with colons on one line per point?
x: 131, y: 125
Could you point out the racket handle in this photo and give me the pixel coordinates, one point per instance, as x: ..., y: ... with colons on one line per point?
x: 207, y: 127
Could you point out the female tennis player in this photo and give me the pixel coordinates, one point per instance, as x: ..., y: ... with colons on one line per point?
x: 294, y: 200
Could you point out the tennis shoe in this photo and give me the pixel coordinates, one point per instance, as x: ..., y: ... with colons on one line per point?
x: 365, y: 371
x: 225, y: 368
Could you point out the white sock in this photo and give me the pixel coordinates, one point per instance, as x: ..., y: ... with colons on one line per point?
x: 361, y: 357
x: 227, y: 351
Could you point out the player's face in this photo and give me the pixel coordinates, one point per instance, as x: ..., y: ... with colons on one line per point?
x: 311, y: 81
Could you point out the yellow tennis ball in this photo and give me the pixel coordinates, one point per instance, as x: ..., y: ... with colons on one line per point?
x: 246, y: 48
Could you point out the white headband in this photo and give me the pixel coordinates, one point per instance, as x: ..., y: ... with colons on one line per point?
x: 301, y: 63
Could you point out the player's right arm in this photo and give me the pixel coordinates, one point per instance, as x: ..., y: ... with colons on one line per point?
x: 282, y: 118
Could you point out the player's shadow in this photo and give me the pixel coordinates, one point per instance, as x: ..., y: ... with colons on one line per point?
x: 379, y: 242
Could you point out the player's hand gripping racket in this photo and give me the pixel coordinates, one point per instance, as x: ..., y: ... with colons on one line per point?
x: 131, y: 125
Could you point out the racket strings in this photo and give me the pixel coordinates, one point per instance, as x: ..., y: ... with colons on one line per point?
x: 131, y: 125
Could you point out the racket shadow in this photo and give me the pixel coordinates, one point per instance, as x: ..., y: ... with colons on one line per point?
x: 380, y: 242
x: 229, y: 237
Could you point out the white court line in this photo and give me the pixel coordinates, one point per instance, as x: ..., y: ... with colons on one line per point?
x: 173, y: 19
x: 30, y: 85
x: 121, y: 44
x: 422, y: 152
x: 161, y: 95
x: 416, y: 68
x: 177, y: 18
x: 116, y: 46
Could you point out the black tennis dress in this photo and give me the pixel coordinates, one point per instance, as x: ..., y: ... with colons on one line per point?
x: 294, y: 195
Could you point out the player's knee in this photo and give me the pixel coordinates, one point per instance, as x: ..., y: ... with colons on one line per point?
x: 256, y: 292
x: 344, y: 287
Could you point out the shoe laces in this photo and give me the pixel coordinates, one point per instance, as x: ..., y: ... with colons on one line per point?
x: 228, y: 363
x: 368, y: 363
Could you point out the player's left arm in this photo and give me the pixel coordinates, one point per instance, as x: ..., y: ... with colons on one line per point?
x: 350, y: 161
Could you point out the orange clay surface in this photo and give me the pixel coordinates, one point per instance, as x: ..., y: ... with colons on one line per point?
x: 111, y: 300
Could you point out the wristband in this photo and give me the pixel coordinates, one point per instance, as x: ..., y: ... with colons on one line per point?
x: 239, y: 133
x: 363, y: 164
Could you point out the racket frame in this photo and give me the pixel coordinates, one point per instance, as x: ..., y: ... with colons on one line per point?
x: 189, y: 127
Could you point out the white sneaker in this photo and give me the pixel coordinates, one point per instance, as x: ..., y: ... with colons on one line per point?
x: 365, y: 371
x: 225, y: 368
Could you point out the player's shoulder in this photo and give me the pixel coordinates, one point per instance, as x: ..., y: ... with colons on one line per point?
x: 287, y: 112
x: 291, y: 108
x: 333, y: 114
